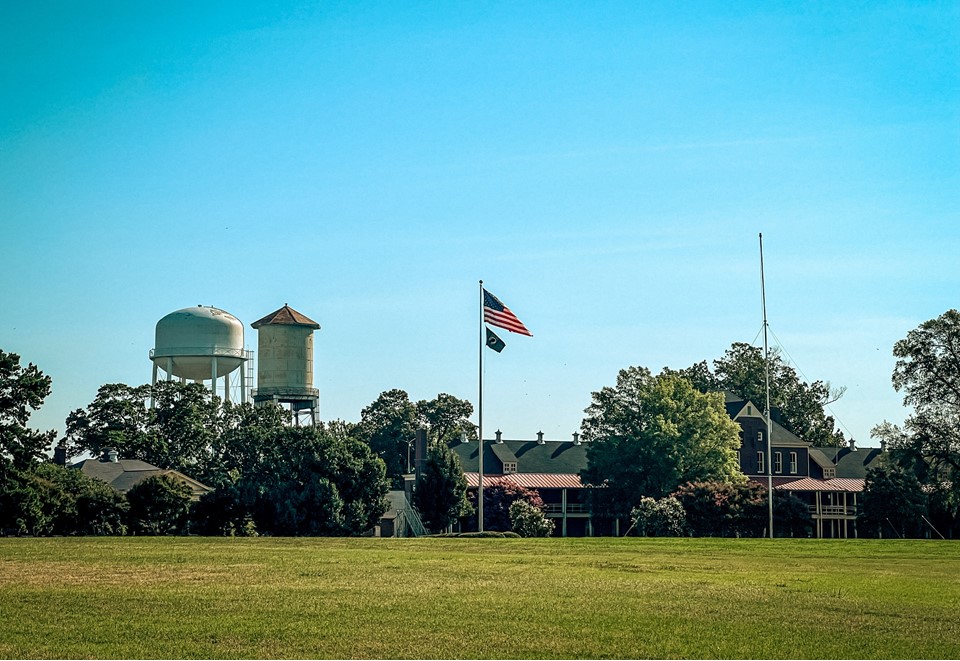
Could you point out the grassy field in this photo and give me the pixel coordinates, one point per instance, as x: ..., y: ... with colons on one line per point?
x: 478, y: 598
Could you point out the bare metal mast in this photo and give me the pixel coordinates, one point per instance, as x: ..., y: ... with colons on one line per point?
x: 766, y: 376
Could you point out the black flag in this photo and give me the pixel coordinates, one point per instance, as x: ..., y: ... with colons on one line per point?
x: 494, y: 342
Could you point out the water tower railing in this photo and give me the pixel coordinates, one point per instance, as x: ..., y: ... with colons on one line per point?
x: 227, y: 352
x: 286, y: 391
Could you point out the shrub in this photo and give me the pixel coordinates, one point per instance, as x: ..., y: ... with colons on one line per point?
x: 159, y: 505
x: 529, y: 521
x: 659, y: 518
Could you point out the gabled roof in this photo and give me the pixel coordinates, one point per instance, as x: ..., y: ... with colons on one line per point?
x: 124, y: 474
x: 738, y: 407
x: 286, y: 316
x: 503, y: 452
x: 549, y: 457
x: 810, y: 484
x: 852, y: 463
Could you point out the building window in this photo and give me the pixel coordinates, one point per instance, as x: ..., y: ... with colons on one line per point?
x: 793, y: 463
x: 777, y: 462
x: 759, y: 462
x: 759, y: 437
x: 509, y: 467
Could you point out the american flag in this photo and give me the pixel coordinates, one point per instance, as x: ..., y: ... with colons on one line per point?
x: 496, y: 313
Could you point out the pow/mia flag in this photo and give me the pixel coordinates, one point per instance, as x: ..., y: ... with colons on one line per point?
x: 494, y: 342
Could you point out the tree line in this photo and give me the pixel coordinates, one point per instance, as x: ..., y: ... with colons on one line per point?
x: 652, y: 438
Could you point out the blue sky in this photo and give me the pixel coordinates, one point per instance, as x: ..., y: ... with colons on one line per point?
x: 605, y: 168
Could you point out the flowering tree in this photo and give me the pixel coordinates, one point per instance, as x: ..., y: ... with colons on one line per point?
x: 497, y: 499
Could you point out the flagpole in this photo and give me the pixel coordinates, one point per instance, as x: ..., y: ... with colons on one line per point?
x: 766, y: 375
x: 480, y: 419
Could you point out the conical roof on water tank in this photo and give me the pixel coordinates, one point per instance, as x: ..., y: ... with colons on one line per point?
x: 187, y: 341
x: 285, y: 354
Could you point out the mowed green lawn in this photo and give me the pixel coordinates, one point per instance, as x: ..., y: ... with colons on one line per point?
x: 478, y: 598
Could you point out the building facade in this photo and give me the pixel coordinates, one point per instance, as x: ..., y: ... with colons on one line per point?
x: 829, y: 481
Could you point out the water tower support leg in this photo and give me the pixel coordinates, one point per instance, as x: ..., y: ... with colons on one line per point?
x: 243, y: 382
x: 213, y: 379
x: 169, y: 368
x: 153, y: 384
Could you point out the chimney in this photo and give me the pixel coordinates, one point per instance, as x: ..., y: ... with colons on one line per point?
x: 463, y: 437
x: 853, y: 445
x: 420, y: 452
x: 576, y: 438
x: 111, y: 455
x: 540, y: 440
x: 60, y: 455
x: 883, y: 445
x: 499, y: 436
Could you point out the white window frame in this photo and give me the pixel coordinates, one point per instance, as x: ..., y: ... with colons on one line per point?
x: 760, y: 466
x: 509, y: 467
x: 777, y: 462
x: 793, y: 463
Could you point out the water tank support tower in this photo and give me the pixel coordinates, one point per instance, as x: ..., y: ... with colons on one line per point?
x: 199, y: 344
x: 285, y: 362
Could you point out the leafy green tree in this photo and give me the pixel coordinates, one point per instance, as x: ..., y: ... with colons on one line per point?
x: 159, y: 505
x: 700, y: 376
x: 29, y: 504
x: 797, y: 405
x: 791, y: 516
x: 22, y: 391
x: 318, y: 481
x: 892, y: 504
x: 184, y: 426
x: 388, y: 426
x: 650, y: 434
x: 659, y: 518
x: 927, y: 371
x: 117, y: 418
x: 721, y: 509
x: 314, y: 509
x: 247, y: 436
x: 529, y: 521
x: 447, y: 417
x: 441, y: 495
x: 390, y: 423
x: 223, y: 513
x: 178, y: 433
x: 710, y: 507
x: 84, y: 505
x: 751, y: 516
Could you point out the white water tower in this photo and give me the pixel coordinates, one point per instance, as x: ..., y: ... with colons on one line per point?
x: 285, y: 362
x: 201, y: 344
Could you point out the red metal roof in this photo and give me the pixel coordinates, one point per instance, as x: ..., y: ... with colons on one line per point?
x: 811, y: 483
x: 286, y: 316
x: 528, y: 480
